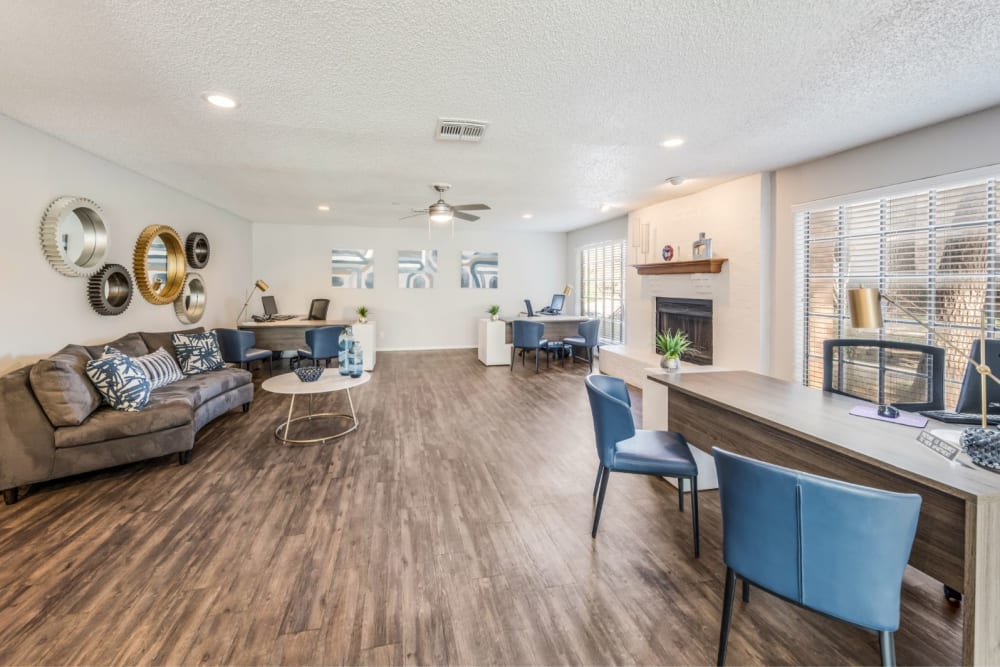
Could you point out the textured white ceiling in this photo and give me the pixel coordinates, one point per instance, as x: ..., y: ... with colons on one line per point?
x: 339, y: 99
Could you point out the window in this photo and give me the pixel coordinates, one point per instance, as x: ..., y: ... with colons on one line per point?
x: 602, y: 287
x: 932, y: 250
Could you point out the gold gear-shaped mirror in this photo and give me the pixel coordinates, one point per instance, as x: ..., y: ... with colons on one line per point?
x: 159, y: 264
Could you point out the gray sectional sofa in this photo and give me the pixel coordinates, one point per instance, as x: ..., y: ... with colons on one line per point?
x: 52, y: 423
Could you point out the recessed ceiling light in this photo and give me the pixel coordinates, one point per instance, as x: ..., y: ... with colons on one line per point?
x: 673, y: 142
x: 220, y: 100
x: 323, y: 207
x: 527, y: 216
x: 605, y: 207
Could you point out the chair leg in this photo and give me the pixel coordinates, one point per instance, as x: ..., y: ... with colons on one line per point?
x: 727, y: 615
x: 680, y: 494
x: 694, y: 517
x: 887, y: 645
x: 746, y: 591
x: 536, y: 360
x: 600, y: 501
x: 590, y: 358
x: 597, y: 482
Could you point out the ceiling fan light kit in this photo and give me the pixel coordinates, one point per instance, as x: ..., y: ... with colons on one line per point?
x: 441, y: 212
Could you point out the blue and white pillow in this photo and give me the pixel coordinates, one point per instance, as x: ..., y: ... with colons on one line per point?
x: 121, y: 382
x: 160, y: 367
x: 198, y: 353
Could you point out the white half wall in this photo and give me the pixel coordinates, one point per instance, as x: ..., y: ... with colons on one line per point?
x: 733, y: 215
x: 609, y: 230
x: 46, y: 310
x: 952, y: 146
x: 295, y: 261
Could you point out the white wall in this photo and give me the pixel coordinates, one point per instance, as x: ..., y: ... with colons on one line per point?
x: 44, y: 309
x: 609, y: 230
x: 731, y: 215
x: 956, y: 145
x: 295, y: 261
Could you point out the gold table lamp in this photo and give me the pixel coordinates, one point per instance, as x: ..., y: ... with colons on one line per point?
x: 259, y: 285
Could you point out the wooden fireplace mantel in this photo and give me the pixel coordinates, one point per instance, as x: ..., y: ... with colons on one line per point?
x: 712, y: 265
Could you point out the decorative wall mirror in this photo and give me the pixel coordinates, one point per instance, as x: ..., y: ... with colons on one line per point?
x: 198, y: 250
x: 74, y: 236
x: 190, y: 305
x: 110, y: 290
x: 159, y: 264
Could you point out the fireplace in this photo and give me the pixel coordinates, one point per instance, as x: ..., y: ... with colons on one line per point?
x: 692, y: 316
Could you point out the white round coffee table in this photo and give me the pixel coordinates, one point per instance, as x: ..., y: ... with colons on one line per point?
x: 331, y: 380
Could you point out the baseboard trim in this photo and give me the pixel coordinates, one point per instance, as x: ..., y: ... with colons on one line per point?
x: 428, y: 349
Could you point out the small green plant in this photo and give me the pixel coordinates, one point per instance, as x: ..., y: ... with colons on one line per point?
x: 362, y: 311
x: 493, y: 310
x: 672, y: 344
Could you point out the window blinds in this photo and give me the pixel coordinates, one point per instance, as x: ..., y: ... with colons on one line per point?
x: 933, y: 251
x: 602, y: 288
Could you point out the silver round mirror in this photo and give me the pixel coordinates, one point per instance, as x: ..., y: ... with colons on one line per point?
x: 190, y: 305
x: 74, y: 237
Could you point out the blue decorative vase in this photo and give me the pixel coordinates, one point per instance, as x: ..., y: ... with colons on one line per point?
x: 344, y: 343
x: 356, y: 359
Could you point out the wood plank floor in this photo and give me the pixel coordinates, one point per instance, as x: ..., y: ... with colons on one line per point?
x: 451, y: 528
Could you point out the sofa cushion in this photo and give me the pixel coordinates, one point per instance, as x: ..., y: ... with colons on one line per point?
x: 198, y: 389
x: 165, y: 339
x: 120, y: 380
x: 160, y: 414
x: 61, y: 386
x: 198, y: 353
x: 160, y: 367
x: 131, y: 344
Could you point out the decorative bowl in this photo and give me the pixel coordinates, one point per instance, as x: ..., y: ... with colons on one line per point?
x: 982, y: 446
x: 309, y: 373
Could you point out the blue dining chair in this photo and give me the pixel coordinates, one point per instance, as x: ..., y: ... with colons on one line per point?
x: 829, y: 546
x: 321, y: 343
x: 589, y: 338
x: 528, y: 336
x: 237, y: 347
x: 621, y: 448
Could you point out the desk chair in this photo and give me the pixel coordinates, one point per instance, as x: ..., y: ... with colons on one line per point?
x: 318, y: 309
x: 322, y: 343
x: 237, y: 347
x: 832, y: 547
x: 860, y: 368
x: 621, y: 448
x: 528, y: 336
x: 588, y: 338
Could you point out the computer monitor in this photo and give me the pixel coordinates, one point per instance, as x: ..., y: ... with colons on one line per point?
x: 557, y: 303
x: 970, y: 398
x: 270, y: 307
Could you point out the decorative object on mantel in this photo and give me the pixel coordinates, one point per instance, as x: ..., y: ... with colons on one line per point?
x: 668, y: 253
x: 109, y: 291
x: 713, y: 265
x: 702, y: 248
x: 159, y: 264
x: 74, y: 237
x: 259, y: 285
x: 190, y: 305
x: 981, y: 443
x: 198, y: 250
x: 672, y: 344
x: 494, y: 312
x: 644, y: 240
x: 362, y: 312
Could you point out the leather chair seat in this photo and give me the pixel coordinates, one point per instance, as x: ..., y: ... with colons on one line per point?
x: 305, y: 352
x: 655, y: 453
x: 575, y: 340
x: 254, y: 354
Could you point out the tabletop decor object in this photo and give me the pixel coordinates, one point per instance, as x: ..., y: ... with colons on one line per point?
x: 672, y: 344
x: 309, y: 373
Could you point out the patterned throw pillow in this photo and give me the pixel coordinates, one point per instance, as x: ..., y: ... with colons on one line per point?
x: 198, y: 353
x: 160, y: 367
x: 120, y: 381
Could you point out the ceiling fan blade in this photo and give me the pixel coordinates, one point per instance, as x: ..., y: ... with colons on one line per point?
x: 413, y: 215
x: 465, y: 216
x: 471, y: 207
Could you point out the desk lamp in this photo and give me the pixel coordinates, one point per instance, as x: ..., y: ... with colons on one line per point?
x: 259, y: 285
x: 866, y: 313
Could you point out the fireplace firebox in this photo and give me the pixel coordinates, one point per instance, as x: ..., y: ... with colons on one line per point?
x: 692, y: 316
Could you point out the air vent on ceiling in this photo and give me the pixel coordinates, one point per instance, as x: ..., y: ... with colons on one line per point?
x: 452, y: 129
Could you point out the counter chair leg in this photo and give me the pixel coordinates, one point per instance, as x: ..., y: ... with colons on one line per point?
x: 600, y: 501
x: 727, y: 615
x: 597, y: 482
x: 694, y: 517
x: 680, y: 494
x: 887, y: 646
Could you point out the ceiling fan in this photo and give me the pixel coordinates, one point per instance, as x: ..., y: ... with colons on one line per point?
x: 442, y: 212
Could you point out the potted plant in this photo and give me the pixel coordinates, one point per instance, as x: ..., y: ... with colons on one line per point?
x: 672, y: 344
x: 494, y: 312
x: 362, y: 312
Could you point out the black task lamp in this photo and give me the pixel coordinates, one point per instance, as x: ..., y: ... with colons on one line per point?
x: 982, y: 444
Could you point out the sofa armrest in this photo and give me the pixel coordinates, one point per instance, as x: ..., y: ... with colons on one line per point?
x: 27, y: 441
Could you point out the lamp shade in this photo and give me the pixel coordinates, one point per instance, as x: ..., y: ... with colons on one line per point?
x: 261, y: 285
x: 866, y: 309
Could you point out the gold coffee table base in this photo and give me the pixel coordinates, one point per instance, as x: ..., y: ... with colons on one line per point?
x: 311, y: 416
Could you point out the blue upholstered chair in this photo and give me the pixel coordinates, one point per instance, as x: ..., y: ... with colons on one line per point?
x: 589, y: 338
x: 528, y: 336
x: 237, y: 347
x: 321, y: 343
x: 833, y: 547
x: 621, y: 448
